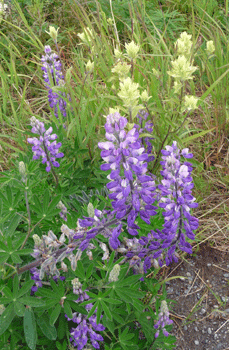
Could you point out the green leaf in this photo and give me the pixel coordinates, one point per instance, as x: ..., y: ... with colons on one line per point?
x: 112, y: 301
x: 77, y: 308
x: 15, y: 258
x: 30, y: 330
x: 31, y: 301
x: 111, y: 259
x: 7, y: 292
x: 61, y: 331
x: 117, y: 317
x: 80, y: 270
x: 56, y: 289
x: 89, y: 271
x: 9, y: 195
x: 106, y: 310
x: 68, y: 309
x: 19, y: 309
x: 53, y: 204
x: 4, y: 247
x: 93, y: 309
x: 15, y: 285
x: 42, y: 292
x: 54, y: 315
x: 13, y: 224
x: 46, y: 199
x: 195, y: 136
x: 98, y: 313
x: 9, y: 244
x: 4, y: 257
x: 138, y: 305
x: 123, y: 296
x: 25, y: 251
x: 48, y: 330
x: 129, y: 281
x: 37, y: 206
x: 25, y: 288
x: 6, y: 318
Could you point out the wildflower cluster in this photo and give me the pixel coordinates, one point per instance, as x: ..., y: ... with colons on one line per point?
x: 54, y: 80
x: 42, y: 146
x: 132, y: 190
x: 163, y: 320
x: 86, y: 327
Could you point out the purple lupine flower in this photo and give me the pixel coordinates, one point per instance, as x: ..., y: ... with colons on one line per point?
x: 132, y: 190
x: 85, y: 331
x: 43, y: 147
x: 53, y: 77
x: 145, y: 128
x: 35, y: 276
x: 177, y: 200
x: 64, y: 210
x: 163, y: 320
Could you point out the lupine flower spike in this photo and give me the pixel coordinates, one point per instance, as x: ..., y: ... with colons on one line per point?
x: 43, y: 146
x: 54, y: 78
x: 163, y: 320
x: 177, y: 201
x: 85, y: 331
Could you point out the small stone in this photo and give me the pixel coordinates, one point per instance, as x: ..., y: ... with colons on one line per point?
x: 209, y: 264
x: 185, y: 328
x: 196, y: 329
x: 209, y: 331
x: 226, y: 275
x: 224, y: 299
x: 216, y: 336
x: 203, y: 311
x: 170, y: 290
x: 196, y: 342
x: 188, y: 274
x: 203, y: 331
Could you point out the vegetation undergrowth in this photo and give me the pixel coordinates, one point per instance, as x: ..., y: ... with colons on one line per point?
x: 86, y: 224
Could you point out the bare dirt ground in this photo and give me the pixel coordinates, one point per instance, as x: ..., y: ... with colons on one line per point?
x: 201, y: 312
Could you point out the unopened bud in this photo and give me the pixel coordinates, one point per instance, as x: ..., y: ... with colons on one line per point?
x: 53, y: 33
x: 89, y: 67
x: 113, y: 277
x: 132, y: 50
x: 22, y: 171
x: 210, y: 47
x: 37, y: 240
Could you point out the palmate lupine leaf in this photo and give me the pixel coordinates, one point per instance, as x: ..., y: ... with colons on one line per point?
x: 30, y: 330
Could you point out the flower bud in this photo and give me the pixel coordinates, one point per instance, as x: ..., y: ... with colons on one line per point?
x: 86, y: 36
x: 113, y: 277
x: 129, y: 93
x: 22, y: 171
x: 181, y: 69
x: 144, y: 96
x: 184, y: 44
x: 190, y: 103
x: 53, y: 33
x: 132, y: 50
x: 37, y: 240
x: 117, y: 53
x: 210, y: 47
x: 121, y: 69
x: 89, y: 67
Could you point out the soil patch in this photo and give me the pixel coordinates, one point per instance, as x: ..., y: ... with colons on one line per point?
x: 201, y: 312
